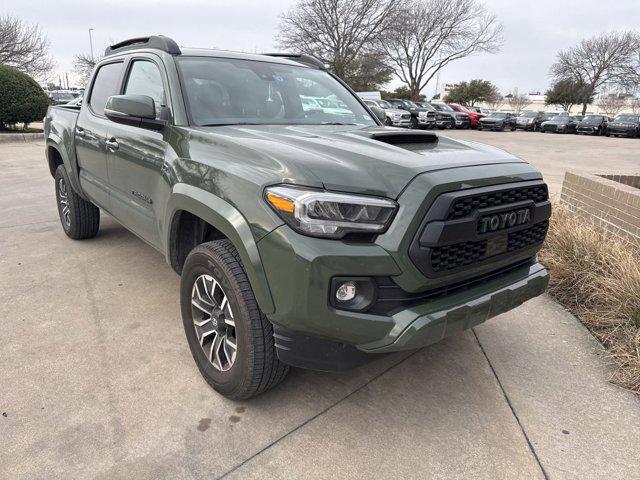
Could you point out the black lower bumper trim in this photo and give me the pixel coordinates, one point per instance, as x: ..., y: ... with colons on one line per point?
x: 313, y: 353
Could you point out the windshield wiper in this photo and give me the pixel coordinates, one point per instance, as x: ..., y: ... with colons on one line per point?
x: 335, y: 123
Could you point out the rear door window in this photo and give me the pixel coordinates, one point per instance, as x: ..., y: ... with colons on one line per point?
x: 105, y: 85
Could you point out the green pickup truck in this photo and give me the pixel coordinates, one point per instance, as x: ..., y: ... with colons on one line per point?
x: 304, y: 237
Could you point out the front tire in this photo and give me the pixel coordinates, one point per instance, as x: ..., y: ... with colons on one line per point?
x: 80, y: 218
x: 230, y: 338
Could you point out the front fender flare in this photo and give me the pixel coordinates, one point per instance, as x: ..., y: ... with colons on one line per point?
x: 228, y: 220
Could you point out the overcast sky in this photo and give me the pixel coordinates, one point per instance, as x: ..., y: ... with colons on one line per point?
x: 534, y: 30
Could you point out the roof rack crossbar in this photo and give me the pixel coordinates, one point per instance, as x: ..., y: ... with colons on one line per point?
x: 303, y: 58
x: 158, y: 42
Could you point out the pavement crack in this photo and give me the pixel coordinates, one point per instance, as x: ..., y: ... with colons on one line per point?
x: 511, y: 407
x: 319, y: 414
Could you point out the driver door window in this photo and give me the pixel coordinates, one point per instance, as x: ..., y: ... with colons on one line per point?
x: 145, y: 79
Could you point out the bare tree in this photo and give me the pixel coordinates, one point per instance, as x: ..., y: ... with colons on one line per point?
x: 517, y: 101
x: 598, y: 60
x: 611, y: 104
x: 495, y: 102
x: 83, y: 65
x: 634, y: 103
x: 337, y: 31
x: 24, y: 47
x: 426, y: 35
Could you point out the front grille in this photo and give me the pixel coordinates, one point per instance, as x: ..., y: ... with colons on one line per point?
x: 465, y: 206
x: 405, y: 115
x: 528, y: 237
x: 466, y: 253
x: 450, y: 239
x: 458, y: 255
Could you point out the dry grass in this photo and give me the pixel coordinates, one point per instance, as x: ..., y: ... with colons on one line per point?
x: 596, y: 275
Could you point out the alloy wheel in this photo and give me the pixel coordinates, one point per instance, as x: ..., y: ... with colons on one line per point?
x: 213, y: 322
x: 63, y: 201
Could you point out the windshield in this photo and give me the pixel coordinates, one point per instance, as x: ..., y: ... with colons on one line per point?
x: 442, y: 107
x: 226, y: 91
x: 384, y: 104
x: 627, y: 118
x: 560, y: 119
x: 592, y: 119
x: 529, y: 114
x: 426, y: 106
x: 497, y: 115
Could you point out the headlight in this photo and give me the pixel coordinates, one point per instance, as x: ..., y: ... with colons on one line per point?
x: 332, y: 215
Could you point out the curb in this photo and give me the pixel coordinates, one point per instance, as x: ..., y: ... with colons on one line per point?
x: 20, y: 137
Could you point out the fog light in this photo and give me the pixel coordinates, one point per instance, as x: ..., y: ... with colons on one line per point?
x: 346, y: 292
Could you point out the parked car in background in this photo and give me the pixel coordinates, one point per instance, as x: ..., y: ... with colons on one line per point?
x: 394, y: 117
x: 593, y: 125
x: 560, y: 124
x: 420, y: 115
x: 578, y: 118
x: 458, y: 119
x: 473, y: 115
x: 482, y: 110
x: 543, y: 118
x: 60, y: 97
x: 624, y: 125
x: 498, y: 121
x: 529, y: 120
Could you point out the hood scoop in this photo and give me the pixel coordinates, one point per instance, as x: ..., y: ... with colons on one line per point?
x: 408, y: 140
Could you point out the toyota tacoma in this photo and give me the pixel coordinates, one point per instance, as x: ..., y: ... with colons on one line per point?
x: 302, y: 237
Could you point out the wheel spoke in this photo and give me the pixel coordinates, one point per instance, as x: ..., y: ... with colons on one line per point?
x: 229, y: 349
x: 206, y: 334
x: 200, y: 297
x: 196, y: 304
x: 215, y: 352
x: 203, y: 322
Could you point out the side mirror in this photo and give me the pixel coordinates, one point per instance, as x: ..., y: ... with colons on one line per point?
x: 135, y: 110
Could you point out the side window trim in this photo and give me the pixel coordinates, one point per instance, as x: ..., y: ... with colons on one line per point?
x: 93, y: 81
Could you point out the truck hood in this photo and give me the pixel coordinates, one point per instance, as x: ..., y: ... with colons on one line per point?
x: 370, y: 160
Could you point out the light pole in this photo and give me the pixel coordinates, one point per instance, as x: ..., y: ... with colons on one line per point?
x: 91, y: 42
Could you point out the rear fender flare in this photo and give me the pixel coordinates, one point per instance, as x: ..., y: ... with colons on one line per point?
x: 70, y: 165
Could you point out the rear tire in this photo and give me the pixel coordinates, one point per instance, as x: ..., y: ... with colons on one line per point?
x: 80, y: 218
x: 213, y: 273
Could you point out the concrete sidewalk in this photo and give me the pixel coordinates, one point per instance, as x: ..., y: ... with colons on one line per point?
x: 96, y: 380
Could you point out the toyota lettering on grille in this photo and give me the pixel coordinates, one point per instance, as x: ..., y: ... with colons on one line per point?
x: 504, y: 220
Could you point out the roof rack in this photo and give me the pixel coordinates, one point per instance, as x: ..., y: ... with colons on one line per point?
x: 158, y: 42
x: 303, y: 58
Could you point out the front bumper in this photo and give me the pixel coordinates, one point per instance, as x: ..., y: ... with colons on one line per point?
x: 301, y: 269
x: 401, y: 123
x: 629, y: 132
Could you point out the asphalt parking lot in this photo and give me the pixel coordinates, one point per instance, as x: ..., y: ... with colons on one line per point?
x: 97, y: 381
x: 555, y: 153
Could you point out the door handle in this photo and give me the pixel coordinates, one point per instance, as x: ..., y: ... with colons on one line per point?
x: 80, y: 131
x: 112, y: 144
